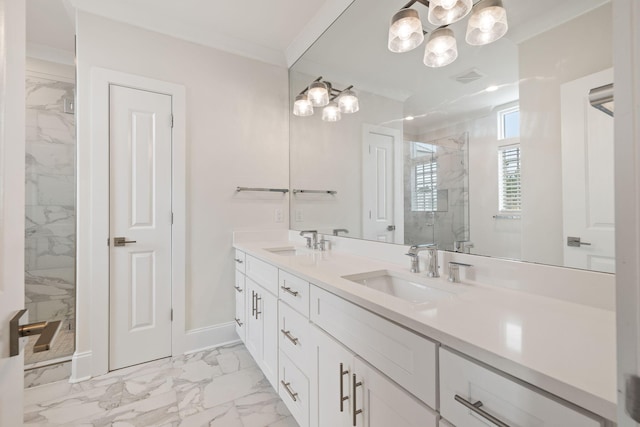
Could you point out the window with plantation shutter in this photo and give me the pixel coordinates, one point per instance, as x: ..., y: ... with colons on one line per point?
x: 425, y: 186
x: 510, y: 188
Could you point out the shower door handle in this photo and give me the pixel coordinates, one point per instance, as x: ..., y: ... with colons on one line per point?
x: 46, y: 330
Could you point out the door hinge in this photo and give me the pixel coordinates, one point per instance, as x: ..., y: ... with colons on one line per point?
x: 172, y: 314
x: 171, y: 218
x: 108, y: 242
x: 171, y: 121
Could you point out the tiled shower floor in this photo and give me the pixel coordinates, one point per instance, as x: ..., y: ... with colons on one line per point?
x: 222, y: 387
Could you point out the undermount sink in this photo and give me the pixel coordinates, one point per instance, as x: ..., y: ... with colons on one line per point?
x: 287, y: 251
x: 404, y: 286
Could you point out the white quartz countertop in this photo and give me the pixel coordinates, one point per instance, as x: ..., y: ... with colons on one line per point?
x: 564, y: 348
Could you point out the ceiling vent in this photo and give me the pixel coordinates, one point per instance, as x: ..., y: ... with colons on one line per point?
x: 468, y: 76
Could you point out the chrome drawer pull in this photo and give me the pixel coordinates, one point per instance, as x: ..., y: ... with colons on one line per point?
x: 258, y: 298
x: 239, y: 261
x: 342, y: 396
x: 238, y: 288
x: 239, y: 322
x: 475, y: 407
x: 291, y: 393
x: 288, y: 335
x: 355, y: 387
x: 288, y: 290
x: 253, y: 303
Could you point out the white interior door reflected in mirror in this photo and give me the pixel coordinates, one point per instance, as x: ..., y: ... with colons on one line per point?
x: 587, y: 176
x: 382, y: 184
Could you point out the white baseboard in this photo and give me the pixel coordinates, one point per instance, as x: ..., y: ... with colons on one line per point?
x: 80, y: 367
x: 210, y: 336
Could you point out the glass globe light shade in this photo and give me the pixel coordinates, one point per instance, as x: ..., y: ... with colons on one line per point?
x: 331, y: 113
x: 348, y: 102
x: 405, y: 31
x: 318, y: 94
x: 487, y: 23
x: 445, y: 12
x: 441, y: 49
x: 302, y: 106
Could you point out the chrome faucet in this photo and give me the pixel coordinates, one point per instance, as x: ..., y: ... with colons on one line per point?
x: 313, y: 238
x: 432, y: 249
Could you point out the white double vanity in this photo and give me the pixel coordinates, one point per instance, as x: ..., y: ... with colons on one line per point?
x: 349, y: 337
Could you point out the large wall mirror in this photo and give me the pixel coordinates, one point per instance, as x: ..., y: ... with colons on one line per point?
x: 499, y: 153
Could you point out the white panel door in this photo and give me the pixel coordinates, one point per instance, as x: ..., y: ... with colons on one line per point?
x: 140, y: 211
x: 12, y: 34
x: 380, y: 187
x: 587, y: 176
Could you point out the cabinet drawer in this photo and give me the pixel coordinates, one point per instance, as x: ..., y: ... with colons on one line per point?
x: 509, y: 401
x: 294, y: 336
x: 293, y: 388
x: 239, y: 260
x: 266, y: 275
x: 405, y: 357
x: 294, y: 291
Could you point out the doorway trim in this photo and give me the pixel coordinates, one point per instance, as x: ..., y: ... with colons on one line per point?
x: 91, y: 357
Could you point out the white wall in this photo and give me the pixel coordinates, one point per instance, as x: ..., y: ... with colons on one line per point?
x: 237, y: 135
x: 328, y: 156
x: 575, y: 49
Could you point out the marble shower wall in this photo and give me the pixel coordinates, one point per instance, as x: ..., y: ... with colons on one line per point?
x: 50, y: 200
x: 451, y: 220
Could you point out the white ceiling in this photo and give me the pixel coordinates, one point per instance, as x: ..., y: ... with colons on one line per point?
x: 262, y: 30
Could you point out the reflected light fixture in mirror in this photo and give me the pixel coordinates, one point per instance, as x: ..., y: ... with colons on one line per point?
x: 405, y: 31
x: 445, y: 12
x: 331, y: 113
x: 441, y: 48
x: 488, y: 22
x: 322, y: 94
x: 348, y: 102
x: 302, y: 106
x: 318, y: 94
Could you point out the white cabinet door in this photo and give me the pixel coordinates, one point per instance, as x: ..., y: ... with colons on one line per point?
x: 268, y: 313
x: 384, y: 404
x: 330, y: 382
x: 240, y: 306
x: 254, y: 335
x: 262, y: 329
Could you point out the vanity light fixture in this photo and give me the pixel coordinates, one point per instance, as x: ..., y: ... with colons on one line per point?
x: 322, y: 94
x: 487, y: 23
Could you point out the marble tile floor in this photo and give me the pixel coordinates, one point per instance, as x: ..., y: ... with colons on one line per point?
x: 221, y: 387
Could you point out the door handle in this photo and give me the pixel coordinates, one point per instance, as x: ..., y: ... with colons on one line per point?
x: 121, y: 241
x: 575, y: 242
x: 46, y: 330
x: 391, y: 228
